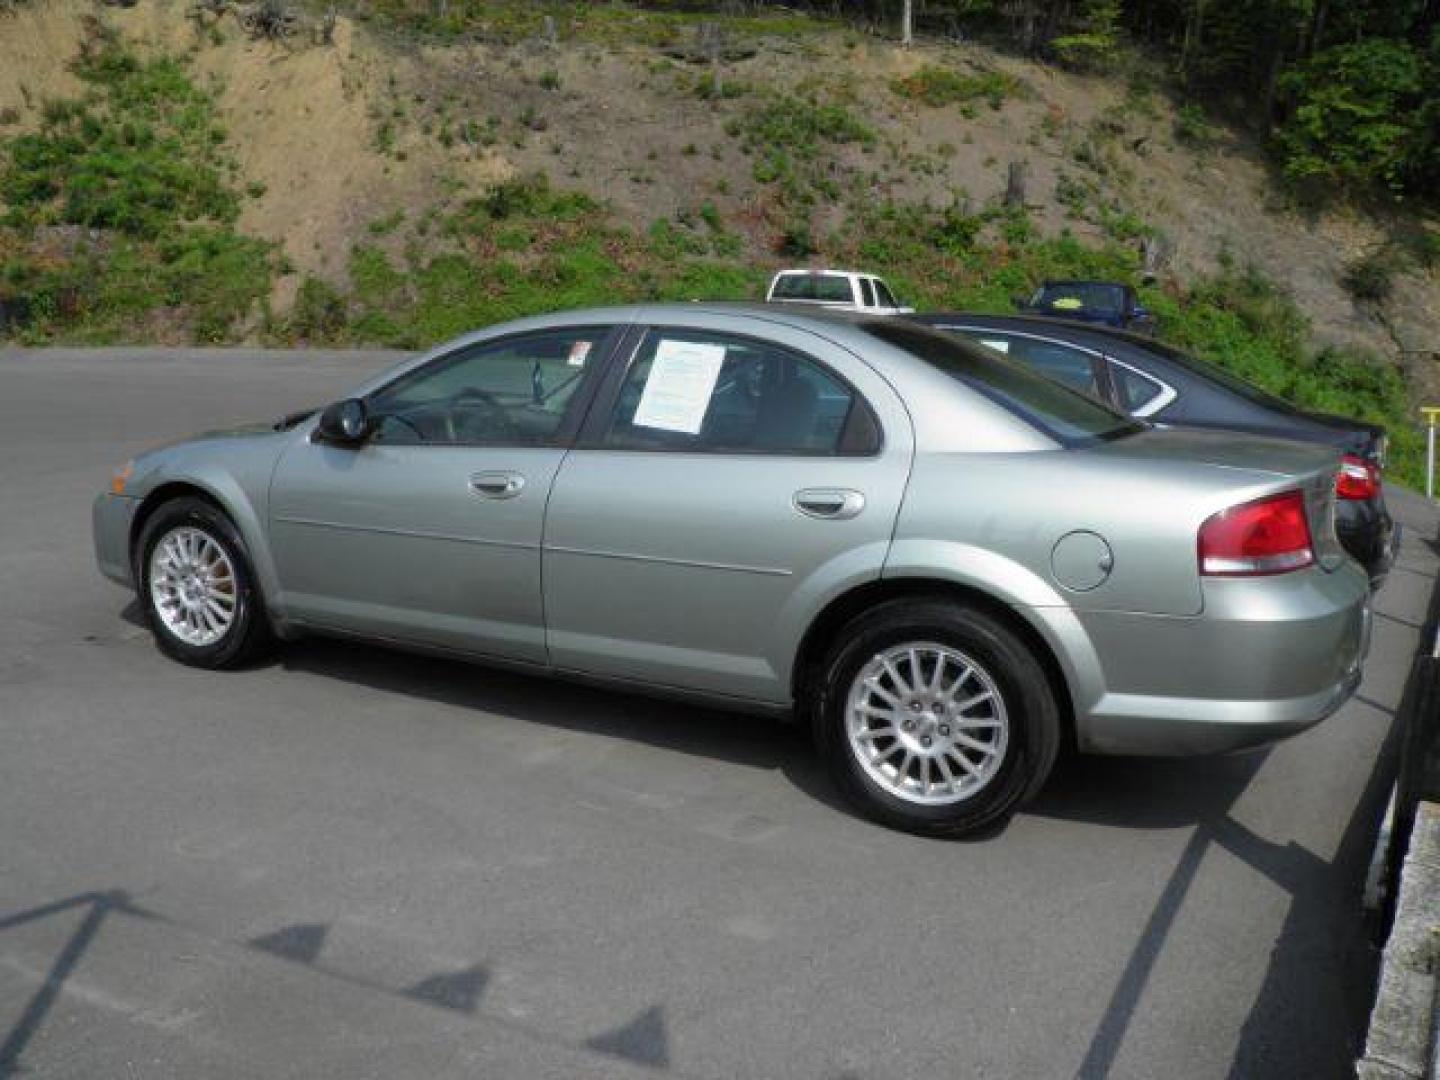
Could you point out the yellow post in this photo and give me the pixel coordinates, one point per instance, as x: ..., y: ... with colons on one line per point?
x: 1430, y: 412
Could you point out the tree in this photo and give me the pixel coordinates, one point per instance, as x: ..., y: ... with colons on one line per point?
x: 1359, y: 115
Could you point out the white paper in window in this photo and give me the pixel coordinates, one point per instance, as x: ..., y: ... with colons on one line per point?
x: 677, y: 394
x: 998, y: 346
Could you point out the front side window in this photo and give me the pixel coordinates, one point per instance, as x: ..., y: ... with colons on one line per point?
x: 699, y: 392
x: 513, y: 392
x: 1065, y: 415
x: 867, y: 292
x: 887, y: 298
x: 833, y: 288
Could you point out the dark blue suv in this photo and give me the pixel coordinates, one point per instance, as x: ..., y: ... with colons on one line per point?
x: 1107, y: 303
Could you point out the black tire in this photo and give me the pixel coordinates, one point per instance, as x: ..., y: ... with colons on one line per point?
x: 1033, y: 732
x: 248, y: 634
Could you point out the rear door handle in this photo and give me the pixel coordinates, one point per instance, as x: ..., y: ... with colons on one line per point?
x: 497, y: 485
x: 831, y: 504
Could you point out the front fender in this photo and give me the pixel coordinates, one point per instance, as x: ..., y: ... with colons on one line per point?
x: 236, y: 480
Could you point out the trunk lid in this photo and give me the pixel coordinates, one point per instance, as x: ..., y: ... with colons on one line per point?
x: 1266, y: 465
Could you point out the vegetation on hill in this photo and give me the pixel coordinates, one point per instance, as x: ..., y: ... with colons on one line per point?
x: 121, y: 207
x: 1349, y: 91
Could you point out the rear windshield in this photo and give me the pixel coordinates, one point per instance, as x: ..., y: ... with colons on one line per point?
x: 1061, y: 297
x: 1215, y: 373
x: 813, y: 287
x: 1067, y: 416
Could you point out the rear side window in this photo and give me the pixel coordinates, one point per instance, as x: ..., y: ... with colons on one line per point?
x: 1134, y: 391
x: 825, y: 287
x: 1065, y: 415
x: 700, y: 392
x: 867, y: 292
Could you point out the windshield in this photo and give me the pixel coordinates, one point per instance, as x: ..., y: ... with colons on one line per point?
x: 1067, y: 416
x: 831, y: 287
x: 1062, y: 296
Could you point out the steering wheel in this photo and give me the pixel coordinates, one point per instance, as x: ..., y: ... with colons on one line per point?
x: 401, y: 418
x: 475, y: 414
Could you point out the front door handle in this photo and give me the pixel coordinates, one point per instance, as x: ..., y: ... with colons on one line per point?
x: 497, y: 485
x: 830, y: 504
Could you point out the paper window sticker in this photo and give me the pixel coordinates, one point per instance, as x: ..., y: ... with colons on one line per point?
x: 677, y: 393
x: 579, y: 353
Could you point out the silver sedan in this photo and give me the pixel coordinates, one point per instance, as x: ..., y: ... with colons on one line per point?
x: 946, y: 565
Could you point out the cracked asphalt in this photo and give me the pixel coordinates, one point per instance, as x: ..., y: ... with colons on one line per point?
x: 354, y: 863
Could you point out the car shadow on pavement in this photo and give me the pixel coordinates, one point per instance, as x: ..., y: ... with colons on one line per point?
x: 1308, y: 1016
x: 759, y: 742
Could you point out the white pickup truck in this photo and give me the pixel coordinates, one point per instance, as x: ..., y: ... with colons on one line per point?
x: 835, y: 288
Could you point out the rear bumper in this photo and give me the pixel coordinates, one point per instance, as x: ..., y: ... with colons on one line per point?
x: 1366, y: 530
x: 1269, y: 658
x: 111, y: 518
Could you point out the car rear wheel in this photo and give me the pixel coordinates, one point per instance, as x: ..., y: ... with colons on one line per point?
x: 935, y: 717
x: 198, y: 588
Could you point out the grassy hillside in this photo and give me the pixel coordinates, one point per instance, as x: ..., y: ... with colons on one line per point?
x: 428, y: 170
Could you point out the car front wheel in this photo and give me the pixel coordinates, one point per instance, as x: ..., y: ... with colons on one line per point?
x: 936, y: 717
x: 197, y: 586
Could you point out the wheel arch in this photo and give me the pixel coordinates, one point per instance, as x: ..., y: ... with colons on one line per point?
x: 821, y: 633
x: 231, y: 500
x: 169, y: 492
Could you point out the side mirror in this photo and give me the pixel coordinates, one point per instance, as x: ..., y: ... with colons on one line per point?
x: 346, y: 422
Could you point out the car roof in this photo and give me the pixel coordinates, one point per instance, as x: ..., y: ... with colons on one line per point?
x: 821, y: 271
x: 1037, y: 323
x: 1186, y: 373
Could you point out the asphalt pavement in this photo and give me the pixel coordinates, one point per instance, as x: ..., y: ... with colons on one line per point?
x: 354, y: 863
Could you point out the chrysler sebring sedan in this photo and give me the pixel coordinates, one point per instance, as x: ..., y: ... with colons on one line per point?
x: 946, y: 564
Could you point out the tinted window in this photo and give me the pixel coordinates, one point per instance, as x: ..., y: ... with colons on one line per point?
x: 887, y: 298
x: 1063, y: 414
x: 1134, y: 390
x: 1217, y: 374
x: 1075, y: 368
x: 701, y: 392
x: 813, y: 287
x: 513, y: 392
x: 1061, y: 297
x: 867, y: 292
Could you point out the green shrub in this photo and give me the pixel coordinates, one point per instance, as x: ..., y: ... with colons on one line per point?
x: 1371, y: 277
x: 1192, y: 127
x: 319, y: 311
x: 139, y: 160
x: 939, y: 87
x: 137, y: 153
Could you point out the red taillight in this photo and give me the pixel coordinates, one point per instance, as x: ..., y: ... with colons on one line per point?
x: 1358, y: 478
x: 1268, y: 536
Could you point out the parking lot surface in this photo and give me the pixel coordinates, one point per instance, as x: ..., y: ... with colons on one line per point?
x: 355, y: 863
